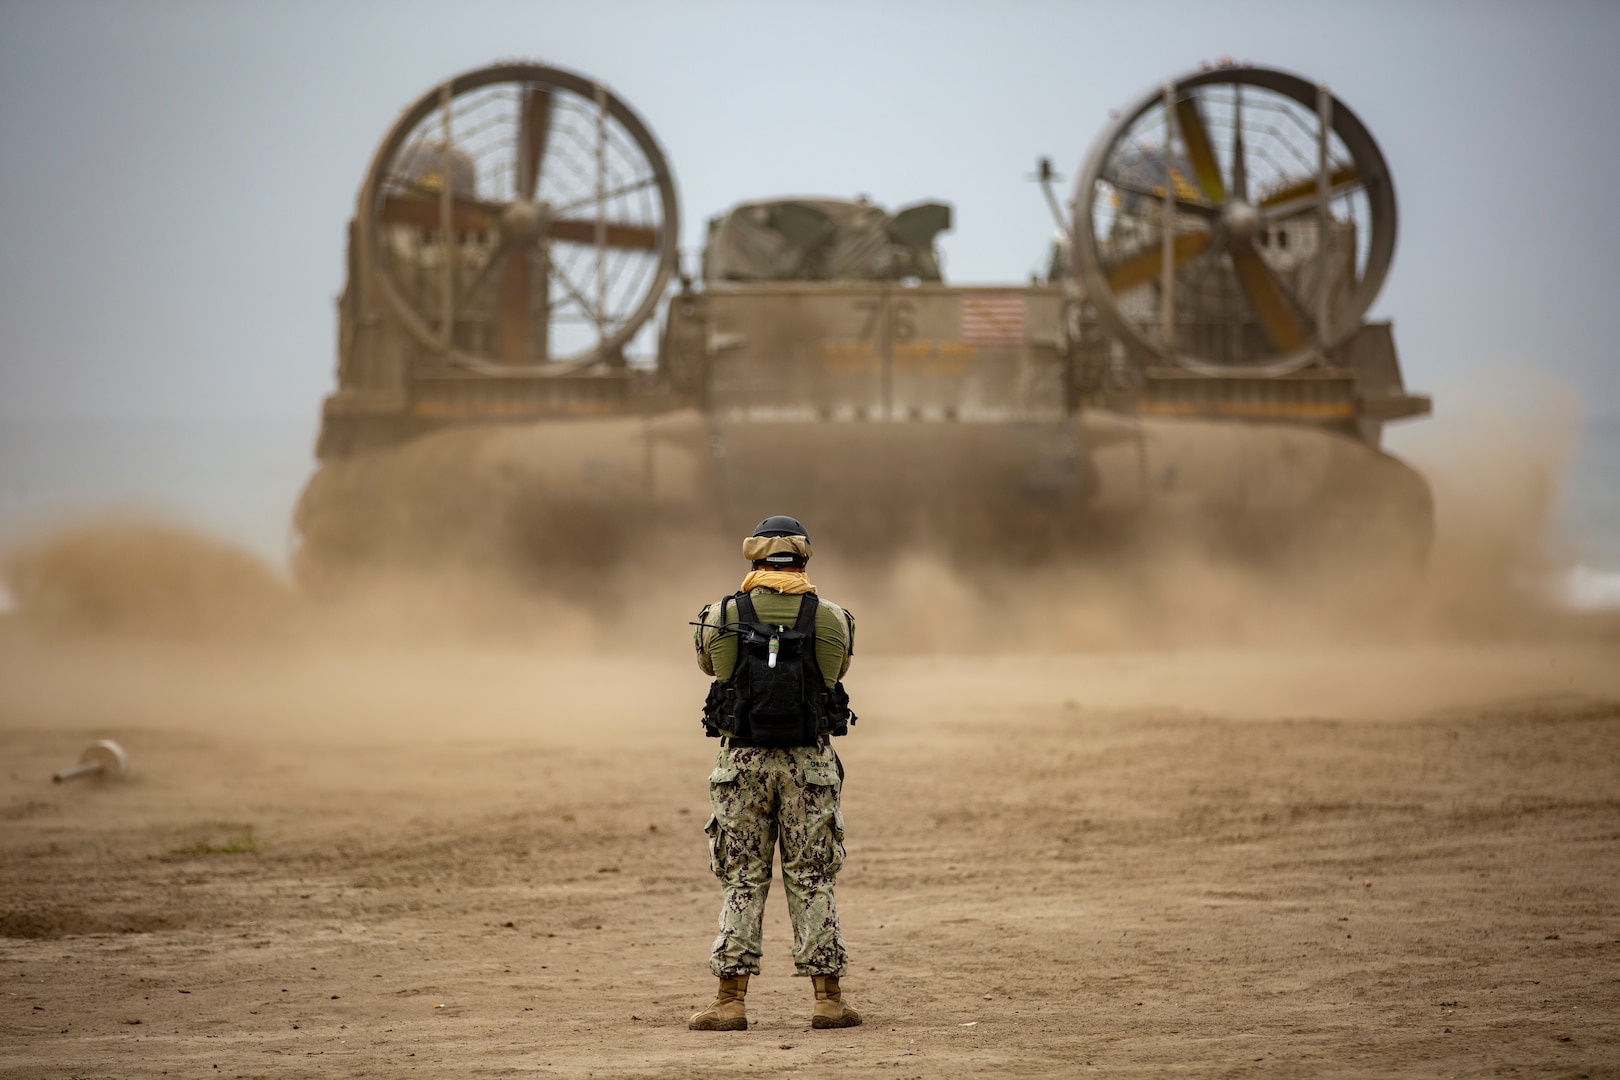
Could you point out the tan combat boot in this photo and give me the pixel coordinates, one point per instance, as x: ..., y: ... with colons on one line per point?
x: 831, y: 1012
x: 726, y: 1014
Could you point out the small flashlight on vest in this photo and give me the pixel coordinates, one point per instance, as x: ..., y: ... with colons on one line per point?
x: 776, y: 647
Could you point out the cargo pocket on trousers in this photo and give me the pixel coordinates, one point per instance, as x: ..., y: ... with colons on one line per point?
x: 824, y: 774
x: 715, y: 849
x: 723, y: 774
x: 837, y: 833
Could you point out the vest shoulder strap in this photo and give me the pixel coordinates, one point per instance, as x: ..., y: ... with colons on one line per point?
x: 745, y: 608
x: 806, y: 622
x: 807, y: 626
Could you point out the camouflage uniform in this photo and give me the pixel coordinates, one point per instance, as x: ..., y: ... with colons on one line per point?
x: 765, y: 798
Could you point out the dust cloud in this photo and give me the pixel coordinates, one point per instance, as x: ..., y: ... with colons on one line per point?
x: 431, y: 573
x: 483, y: 536
x: 126, y: 576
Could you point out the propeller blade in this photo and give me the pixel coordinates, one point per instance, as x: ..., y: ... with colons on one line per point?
x: 1199, y: 151
x: 425, y: 214
x: 1307, y: 188
x: 536, y: 124
x: 1280, y: 320
x: 516, y: 330
x: 577, y: 231
x: 1157, y: 197
x: 1144, y: 268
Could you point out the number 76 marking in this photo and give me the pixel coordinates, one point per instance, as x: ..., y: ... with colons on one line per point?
x: 902, y: 319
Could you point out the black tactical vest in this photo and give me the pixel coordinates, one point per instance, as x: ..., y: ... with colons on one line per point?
x: 776, y: 695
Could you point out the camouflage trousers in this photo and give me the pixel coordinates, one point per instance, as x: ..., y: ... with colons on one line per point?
x: 762, y: 799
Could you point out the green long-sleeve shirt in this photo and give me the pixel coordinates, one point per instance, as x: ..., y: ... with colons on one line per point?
x: 717, y: 652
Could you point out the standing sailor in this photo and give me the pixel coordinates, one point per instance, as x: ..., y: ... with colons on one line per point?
x: 776, y: 651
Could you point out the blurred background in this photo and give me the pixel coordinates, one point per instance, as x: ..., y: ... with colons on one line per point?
x: 177, y: 178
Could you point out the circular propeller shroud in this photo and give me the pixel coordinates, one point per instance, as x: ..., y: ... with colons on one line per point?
x: 1227, y: 219
x: 513, y: 276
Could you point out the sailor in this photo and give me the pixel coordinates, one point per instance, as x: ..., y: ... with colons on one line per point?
x: 776, y: 651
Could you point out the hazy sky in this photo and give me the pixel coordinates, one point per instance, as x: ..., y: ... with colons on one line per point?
x: 175, y: 177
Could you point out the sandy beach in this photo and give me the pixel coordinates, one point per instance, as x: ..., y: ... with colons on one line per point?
x: 489, y: 861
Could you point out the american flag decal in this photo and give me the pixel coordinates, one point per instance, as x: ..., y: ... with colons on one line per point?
x: 993, y: 318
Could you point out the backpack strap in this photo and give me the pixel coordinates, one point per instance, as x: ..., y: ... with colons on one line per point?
x: 745, y: 609
x: 806, y: 625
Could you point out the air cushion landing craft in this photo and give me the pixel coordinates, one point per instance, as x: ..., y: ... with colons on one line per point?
x: 1195, y: 365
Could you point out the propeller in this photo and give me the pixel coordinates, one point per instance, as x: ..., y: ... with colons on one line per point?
x: 577, y: 231
x: 469, y: 216
x: 1298, y: 198
x: 1242, y: 158
x: 1199, y: 151
x: 1278, y: 317
x: 1146, y: 267
x: 1183, y: 206
x: 1283, y: 324
x: 548, y: 173
x: 520, y: 224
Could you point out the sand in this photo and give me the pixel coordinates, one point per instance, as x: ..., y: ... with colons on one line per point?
x: 1146, y: 818
x: 481, y: 860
